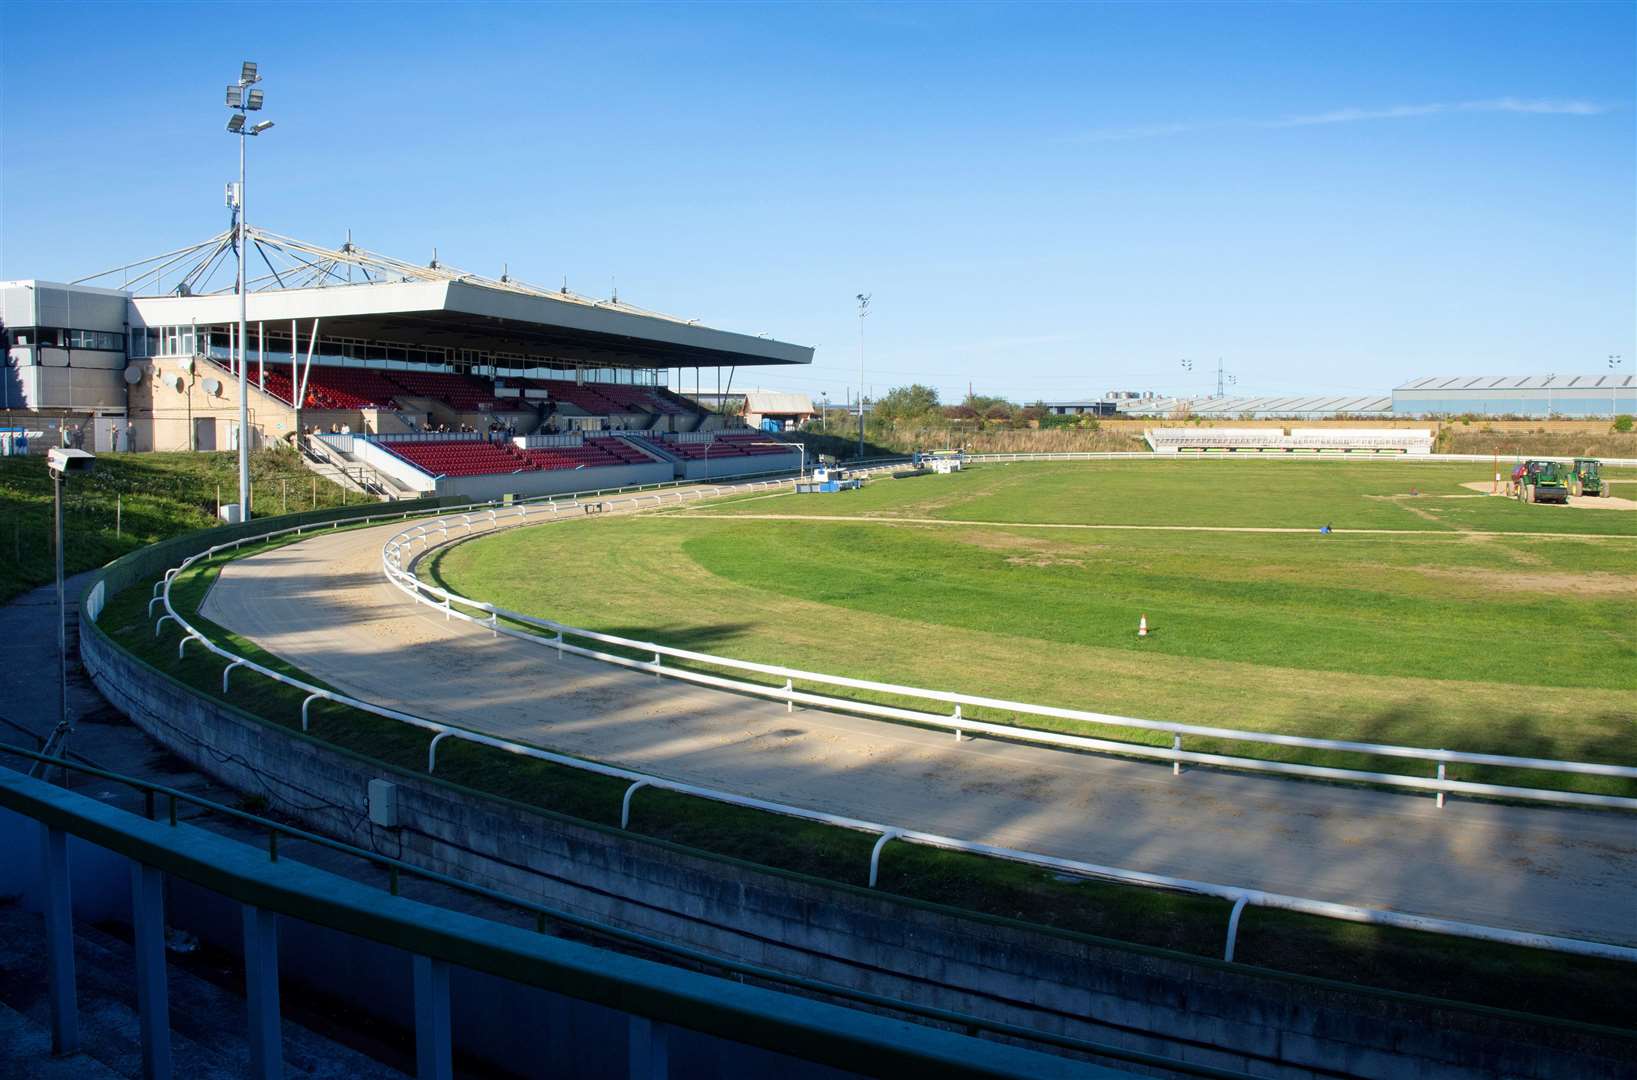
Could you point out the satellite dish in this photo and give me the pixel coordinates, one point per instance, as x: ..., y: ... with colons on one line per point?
x: 134, y: 373
x: 213, y: 386
x: 186, y: 364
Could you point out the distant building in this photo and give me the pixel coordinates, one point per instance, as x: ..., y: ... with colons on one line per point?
x: 770, y: 410
x: 1517, y: 395
x: 1263, y: 407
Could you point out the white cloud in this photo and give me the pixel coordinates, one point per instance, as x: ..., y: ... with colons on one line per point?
x: 1395, y: 112
x: 1539, y: 107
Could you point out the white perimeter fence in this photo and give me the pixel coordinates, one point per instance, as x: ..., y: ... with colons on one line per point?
x: 399, y: 546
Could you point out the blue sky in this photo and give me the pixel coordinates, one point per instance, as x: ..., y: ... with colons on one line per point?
x: 1045, y: 201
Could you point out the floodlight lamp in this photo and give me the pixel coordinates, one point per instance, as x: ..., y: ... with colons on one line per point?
x: 235, y: 123
x: 254, y: 99
x: 258, y: 128
x: 235, y: 96
x: 248, y: 74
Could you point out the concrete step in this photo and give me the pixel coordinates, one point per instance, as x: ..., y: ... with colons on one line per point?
x: 25, y: 1053
x: 208, y: 1022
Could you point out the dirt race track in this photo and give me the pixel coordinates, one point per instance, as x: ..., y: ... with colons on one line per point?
x: 1578, y: 502
x: 324, y: 605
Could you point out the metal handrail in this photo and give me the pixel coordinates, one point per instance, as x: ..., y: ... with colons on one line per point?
x: 1233, y: 894
x: 543, y: 914
x: 634, y: 984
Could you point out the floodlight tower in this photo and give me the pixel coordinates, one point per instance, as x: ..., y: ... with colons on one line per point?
x: 243, y: 98
x: 863, y: 312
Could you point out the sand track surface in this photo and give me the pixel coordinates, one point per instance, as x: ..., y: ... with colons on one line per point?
x: 1577, y: 502
x: 324, y: 605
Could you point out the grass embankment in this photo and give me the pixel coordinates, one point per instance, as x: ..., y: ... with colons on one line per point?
x: 131, y: 500
x: 1506, y: 644
x: 1519, y: 979
x: 1458, y: 438
x: 1454, y: 437
x: 883, y: 440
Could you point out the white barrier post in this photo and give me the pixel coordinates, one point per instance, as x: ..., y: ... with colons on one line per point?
x: 1233, y: 927
x: 432, y: 751
x: 875, y: 852
x: 625, y: 803
x: 1440, y: 780
x: 1176, y: 744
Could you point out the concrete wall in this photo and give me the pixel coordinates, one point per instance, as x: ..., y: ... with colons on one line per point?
x: 1226, y: 1015
x: 204, y: 413
x: 554, y: 481
x: 739, y: 464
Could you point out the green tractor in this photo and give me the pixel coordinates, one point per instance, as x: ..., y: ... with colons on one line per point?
x: 1541, y: 482
x: 1587, y: 479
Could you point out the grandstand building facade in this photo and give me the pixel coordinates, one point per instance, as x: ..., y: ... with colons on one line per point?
x: 349, y: 342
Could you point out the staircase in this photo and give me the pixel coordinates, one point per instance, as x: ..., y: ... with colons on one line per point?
x: 319, y: 457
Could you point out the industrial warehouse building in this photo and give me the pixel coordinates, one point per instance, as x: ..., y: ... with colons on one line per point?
x: 404, y: 357
x: 1534, y: 396
x: 1589, y: 396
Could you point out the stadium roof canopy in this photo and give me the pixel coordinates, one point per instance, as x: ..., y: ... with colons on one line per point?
x: 1458, y: 383
x: 360, y: 294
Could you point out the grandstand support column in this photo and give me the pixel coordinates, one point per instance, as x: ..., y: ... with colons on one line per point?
x: 59, y: 940
x: 261, y: 984
x: 433, y: 1045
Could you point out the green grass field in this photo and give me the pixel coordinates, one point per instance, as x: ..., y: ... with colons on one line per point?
x: 1471, y: 623
x: 1577, y: 988
x: 131, y: 500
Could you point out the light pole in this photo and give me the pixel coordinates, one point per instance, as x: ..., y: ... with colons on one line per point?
x: 1550, y: 379
x: 62, y: 462
x: 863, y: 312
x: 242, y: 98
x: 1614, y: 387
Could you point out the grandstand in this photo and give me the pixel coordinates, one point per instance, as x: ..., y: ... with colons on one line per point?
x: 347, y: 339
x: 480, y: 465
x: 1224, y: 440
x: 719, y: 446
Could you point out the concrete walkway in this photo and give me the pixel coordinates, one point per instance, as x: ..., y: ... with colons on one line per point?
x: 324, y: 605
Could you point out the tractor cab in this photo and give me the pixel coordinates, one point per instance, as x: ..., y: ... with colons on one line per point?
x: 1541, y: 482
x: 1586, y: 477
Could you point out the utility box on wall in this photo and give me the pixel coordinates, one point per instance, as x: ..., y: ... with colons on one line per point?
x: 383, y: 804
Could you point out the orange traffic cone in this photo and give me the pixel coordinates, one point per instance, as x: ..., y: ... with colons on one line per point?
x: 1142, y: 626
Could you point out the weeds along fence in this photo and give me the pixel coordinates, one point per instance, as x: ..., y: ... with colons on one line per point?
x: 397, y: 563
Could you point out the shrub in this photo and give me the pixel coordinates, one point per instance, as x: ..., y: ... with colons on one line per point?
x: 1622, y: 424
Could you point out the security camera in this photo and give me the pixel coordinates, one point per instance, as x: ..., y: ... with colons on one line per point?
x: 62, y: 461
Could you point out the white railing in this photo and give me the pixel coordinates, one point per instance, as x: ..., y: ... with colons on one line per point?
x: 1239, y: 897
x: 396, y: 548
x: 635, y: 781
x: 1138, y: 455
